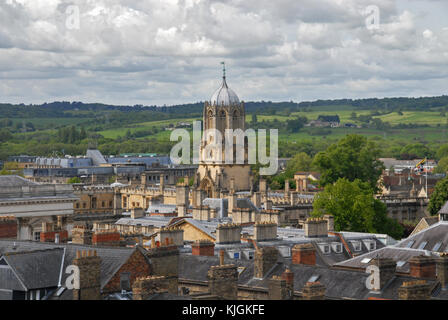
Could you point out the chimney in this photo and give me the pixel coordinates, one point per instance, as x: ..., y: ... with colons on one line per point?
x: 256, y: 199
x: 89, y: 265
x: 304, y: 254
x: 313, y: 291
x: 442, y: 269
x: 165, y: 262
x: 81, y: 235
x: 143, y: 288
x: 422, y: 267
x: 387, y: 268
x: 330, y: 222
x: 277, y: 289
x: 414, y: 290
x: 286, y: 188
x: 143, y: 179
x: 176, y: 234
x: 265, y: 231
x: 316, y: 228
x: 265, y: 259
x: 263, y: 186
x: 137, y: 213
x: 203, y: 248
x: 109, y: 238
x: 228, y: 233
x: 268, y: 204
x: 288, y: 276
x: 221, y: 257
x: 223, y: 281
x: 182, y: 201
x: 162, y: 183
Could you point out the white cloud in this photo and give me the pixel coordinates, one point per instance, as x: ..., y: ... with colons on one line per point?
x: 159, y: 51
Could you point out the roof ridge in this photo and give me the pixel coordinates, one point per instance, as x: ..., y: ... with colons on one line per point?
x: 13, y: 253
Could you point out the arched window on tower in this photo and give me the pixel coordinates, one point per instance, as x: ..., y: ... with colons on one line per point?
x: 235, y: 119
x: 209, y: 119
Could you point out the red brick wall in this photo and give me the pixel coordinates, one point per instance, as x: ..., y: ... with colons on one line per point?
x: 8, y: 229
x: 423, y: 271
x: 198, y: 250
x: 50, y: 236
x: 304, y: 257
x: 110, y: 238
x: 138, y: 267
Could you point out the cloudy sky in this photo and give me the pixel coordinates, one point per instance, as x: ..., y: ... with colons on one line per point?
x: 169, y: 51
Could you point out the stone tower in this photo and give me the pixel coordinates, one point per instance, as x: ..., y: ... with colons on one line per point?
x: 216, y: 168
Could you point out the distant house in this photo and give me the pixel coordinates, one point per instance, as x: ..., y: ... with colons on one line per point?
x: 333, y: 121
x: 325, y: 121
x: 350, y: 125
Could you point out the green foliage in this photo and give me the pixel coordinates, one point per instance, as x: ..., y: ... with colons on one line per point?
x: 296, y: 124
x: 353, y: 157
x: 415, y: 150
x: 438, y: 197
x: 74, y: 180
x: 300, y: 162
x: 442, y: 165
x: 442, y: 152
x: 355, y: 209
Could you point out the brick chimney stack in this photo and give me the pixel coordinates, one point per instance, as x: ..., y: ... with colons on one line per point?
x: 442, y: 270
x: 203, y: 248
x: 145, y: 287
x: 313, y: 291
x: 223, y: 281
x: 304, y: 254
x: 265, y: 259
x: 422, y: 267
x: 414, y: 290
x: 89, y: 265
x: 387, y: 268
x: 288, y: 276
x: 277, y: 289
x: 165, y: 262
x: 221, y: 257
x: 316, y: 228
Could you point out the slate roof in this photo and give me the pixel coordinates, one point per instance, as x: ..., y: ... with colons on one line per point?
x: 15, y: 181
x: 394, y: 253
x: 36, y: 269
x: 444, y: 208
x: 432, y: 235
x: 347, y: 284
x: 112, y: 258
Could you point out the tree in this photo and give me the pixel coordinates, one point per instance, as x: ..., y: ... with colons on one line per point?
x: 353, y: 157
x: 300, y: 162
x: 442, y: 152
x: 354, y: 208
x: 415, y: 150
x: 74, y: 180
x: 254, y: 118
x: 296, y: 124
x: 439, y: 196
x: 442, y: 166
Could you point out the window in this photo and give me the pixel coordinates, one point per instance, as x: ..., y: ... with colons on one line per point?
x: 77, y: 205
x: 325, y: 248
x: 236, y: 255
x: 337, y: 247
x: 437, y: 246
x: 313, y: 278
x: 125, y: 281
x: 84, y: 205
x: 103, y: 204
x: 422, y: 245
x: 110, y: 204
x: 356, y: 245
x: 370, y: 244
x: 366, y: 260
x: 36, y: 236
x: 400, y: 263
x: 410, y: 243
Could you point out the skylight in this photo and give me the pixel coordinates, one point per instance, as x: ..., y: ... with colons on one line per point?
x: 366, y: 260
x: 422, y: 245
x: 437, y: 246
x: 400, y: 263
x: 313, y: 278
x: 410, y: 243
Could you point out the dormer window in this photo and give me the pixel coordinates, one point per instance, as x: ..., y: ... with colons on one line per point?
x: 356, y: 245
x: 324, y: 247
x: 337, y: 247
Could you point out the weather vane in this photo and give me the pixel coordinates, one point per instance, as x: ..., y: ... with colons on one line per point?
x: 223, y: 69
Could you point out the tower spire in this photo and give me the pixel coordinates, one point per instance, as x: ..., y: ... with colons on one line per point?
x: 223, y: 69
